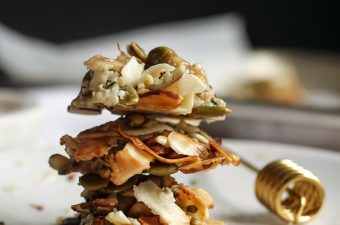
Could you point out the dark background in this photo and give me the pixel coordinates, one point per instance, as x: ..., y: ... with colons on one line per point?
x: 300, y: 24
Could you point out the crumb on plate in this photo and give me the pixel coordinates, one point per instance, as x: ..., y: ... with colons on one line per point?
x: 37, y: 207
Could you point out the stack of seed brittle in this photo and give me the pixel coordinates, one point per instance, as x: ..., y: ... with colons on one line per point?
x: 126, y: 164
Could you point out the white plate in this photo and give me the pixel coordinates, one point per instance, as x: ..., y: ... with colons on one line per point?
x: 26, y: 179
x: 20, y: 119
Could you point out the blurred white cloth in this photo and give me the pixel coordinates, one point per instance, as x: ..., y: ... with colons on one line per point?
x: 218, y: 42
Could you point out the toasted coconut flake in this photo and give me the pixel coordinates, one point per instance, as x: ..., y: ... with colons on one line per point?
x: 134, y: 221
x: 161, y: 202
x: 230, y: 157
x: 68, y: 141
x: 102, y: 63
x: 193, y: 122
x: 129, y: 162
x: 162, y: 140
x: 97, y: 134
x: 118, y: 218
x: 186, y: 105
x: 132, y: 71
x: 158, y: 69
x: 199, y: 137
x: 89, y: 149
x: 205, y: 196
x: 160, y: 149
x: 203, y: 165
x: 169, y: 120
x: 187, y: 197
x: 187, y: 84
x: 142, y: 146
x: 149, y: 220
x: 158, y: 100
x: 184, y: 145
x: 176, y: 121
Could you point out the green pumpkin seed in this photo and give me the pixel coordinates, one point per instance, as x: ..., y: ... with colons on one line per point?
x: 71, y: 221
x: 210, y: 110
x: 164, y: 55
x: 191, y: 209
x: 162, y: 169
x: 135, y: 120
x: 183, y: 126
x: 93, y: 181
x: 111, y: 188
x: 59, y: 162
x: 135, y: 50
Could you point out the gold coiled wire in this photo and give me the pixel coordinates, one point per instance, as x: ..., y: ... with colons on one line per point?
x: 289, y: 191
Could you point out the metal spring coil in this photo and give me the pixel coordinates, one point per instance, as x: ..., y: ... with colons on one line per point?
x: 290, y: 191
